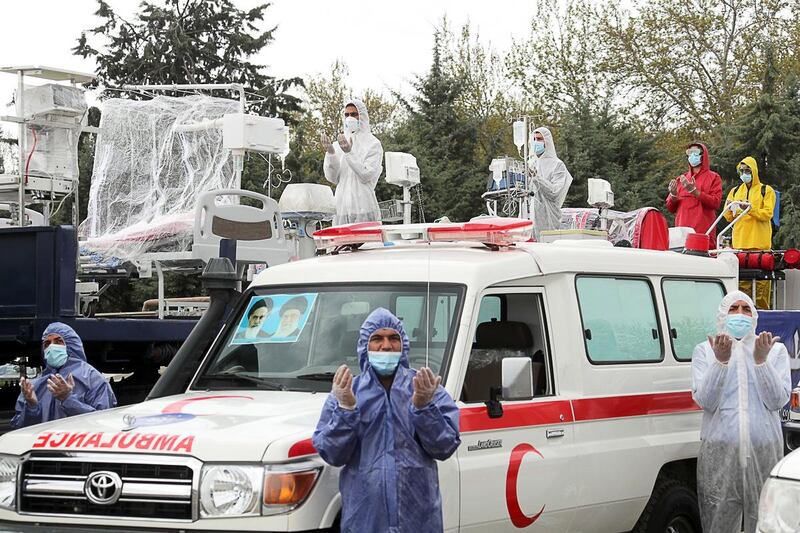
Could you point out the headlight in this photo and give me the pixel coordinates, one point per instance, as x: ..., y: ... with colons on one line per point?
x: 288, y: 485
x: 230, y: 490
x: 779, y: 507
x: 9, y: 466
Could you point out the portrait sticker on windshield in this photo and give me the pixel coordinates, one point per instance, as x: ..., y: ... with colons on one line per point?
x: 276, y: 318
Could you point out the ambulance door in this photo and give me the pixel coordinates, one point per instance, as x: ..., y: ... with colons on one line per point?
x: 515, y: 461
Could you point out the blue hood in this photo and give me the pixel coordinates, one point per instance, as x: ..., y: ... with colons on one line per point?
x: 378, y: 319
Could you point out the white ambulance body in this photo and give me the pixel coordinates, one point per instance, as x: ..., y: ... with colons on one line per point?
x: 607, y: 334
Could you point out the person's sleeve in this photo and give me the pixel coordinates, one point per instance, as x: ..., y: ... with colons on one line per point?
x: 369, y: 167
x: 767, y: 208
x: 774, y: 378
x: 436, y: 425
x: 26, y: 415
x: 707, y: 379
x: 712, y: 198
x: 728, y: 215
x: 336, y: 436
x: 331, y: 167
x: 98, y: 398
x: 551, y: 187
x: 672, y: 203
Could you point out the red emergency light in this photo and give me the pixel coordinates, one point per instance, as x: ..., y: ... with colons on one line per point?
x: 492, y: 231
x: 345, y: 234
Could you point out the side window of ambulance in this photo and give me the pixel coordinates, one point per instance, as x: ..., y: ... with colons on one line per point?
x: 691, y: 312
x: 508, y: 325
x: 620, y: 323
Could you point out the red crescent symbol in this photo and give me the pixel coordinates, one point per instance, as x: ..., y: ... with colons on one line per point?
x: 518, y: 518
x: 177, y: 407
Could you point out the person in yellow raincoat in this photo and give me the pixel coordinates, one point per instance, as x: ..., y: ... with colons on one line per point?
x: 754, y: 230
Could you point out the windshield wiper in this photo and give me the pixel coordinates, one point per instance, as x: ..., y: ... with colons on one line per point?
x: 320, y: 376
x: 260, y: 382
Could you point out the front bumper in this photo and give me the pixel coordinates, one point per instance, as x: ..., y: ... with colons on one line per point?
x: 16, y: 527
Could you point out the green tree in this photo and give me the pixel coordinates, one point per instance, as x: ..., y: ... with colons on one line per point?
x: 188, y: 41
x: 610, y: 145
x: 690, y: 63
x: 443, y: 143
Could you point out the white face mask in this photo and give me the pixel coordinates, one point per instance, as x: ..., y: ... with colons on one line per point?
x: 350, y: 125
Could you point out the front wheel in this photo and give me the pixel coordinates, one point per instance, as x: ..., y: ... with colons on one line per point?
x: 672, y: 508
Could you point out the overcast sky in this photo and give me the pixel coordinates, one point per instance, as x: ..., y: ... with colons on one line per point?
x: 384, y: 43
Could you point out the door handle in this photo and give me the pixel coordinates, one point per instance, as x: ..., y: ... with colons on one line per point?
x: 555, y: 433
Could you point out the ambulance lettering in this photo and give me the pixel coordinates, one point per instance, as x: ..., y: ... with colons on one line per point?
x: 117, y: 441
x: 518, y: 517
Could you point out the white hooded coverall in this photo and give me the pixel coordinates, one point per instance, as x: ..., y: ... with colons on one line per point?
x: 551, y: 181
x: 741, y: 438
x: 355, y: 173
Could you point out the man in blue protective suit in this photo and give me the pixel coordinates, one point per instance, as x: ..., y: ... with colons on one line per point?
x: 741, y: 380
x: 51, y: 396
x: 387, y: 427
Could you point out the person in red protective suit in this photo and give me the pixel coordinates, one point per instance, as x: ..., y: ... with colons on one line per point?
x: 695, y: 196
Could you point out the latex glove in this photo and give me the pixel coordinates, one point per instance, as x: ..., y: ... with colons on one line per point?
x: 344, y: 144
x: 28, y: 393
x: 425, y: 384
x: 59, y: 387
x: 342, y: 388
x: 673, y: 187
x: 327, y: 145
x: 690, y: 185
x: 721, y: 344
x: 764, y: 343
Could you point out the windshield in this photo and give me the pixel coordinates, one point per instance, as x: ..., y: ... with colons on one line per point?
x: 295, y: 339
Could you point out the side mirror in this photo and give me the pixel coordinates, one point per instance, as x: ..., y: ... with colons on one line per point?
x: 517, y: 378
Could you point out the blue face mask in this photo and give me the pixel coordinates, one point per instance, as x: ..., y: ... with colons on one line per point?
x: 384, y: 363
x: 538, y: 147
x: 739, y: 325
x: 746, y: 178
x: 695, y: 159
x: 55, y: 355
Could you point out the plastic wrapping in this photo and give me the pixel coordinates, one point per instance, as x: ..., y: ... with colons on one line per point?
x: 312, y: 200
x: 622, y: 226
x: 147, y: 177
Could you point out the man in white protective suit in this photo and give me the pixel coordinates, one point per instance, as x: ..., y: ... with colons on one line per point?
x: 741, y: 380
x: 354, y: 164
x: 550, y: 180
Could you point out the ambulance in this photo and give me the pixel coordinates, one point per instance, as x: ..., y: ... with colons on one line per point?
x: 570, y: 363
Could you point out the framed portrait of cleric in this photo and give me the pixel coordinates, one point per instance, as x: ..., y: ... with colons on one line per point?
x: 277, y: 318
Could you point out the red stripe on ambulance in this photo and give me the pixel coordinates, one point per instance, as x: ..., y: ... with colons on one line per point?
x: 114, y: 441
x: 584, y: 409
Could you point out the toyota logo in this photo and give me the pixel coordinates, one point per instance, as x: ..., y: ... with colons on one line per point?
x: 103, y: 488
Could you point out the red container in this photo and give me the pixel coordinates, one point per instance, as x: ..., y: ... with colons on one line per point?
x: 742, y: 256
x: 697, y: 242
x: 753, y: 260
x: 767, y: 261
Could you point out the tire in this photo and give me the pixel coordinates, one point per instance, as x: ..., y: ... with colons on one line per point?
x: 672, y: 508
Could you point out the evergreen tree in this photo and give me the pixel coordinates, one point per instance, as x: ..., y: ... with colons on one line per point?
x: 443, y: 144
x: 603, y: 144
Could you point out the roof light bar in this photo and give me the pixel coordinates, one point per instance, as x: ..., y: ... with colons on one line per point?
x: 358, y: 233
x: 492, y: 231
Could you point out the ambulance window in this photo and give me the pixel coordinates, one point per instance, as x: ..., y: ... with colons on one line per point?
x: 691, y: 312
x: 508, y: 325
x: 620, y: 323
x: 491, y: 309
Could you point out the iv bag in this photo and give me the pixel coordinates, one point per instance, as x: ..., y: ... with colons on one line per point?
x: 519, y: 133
